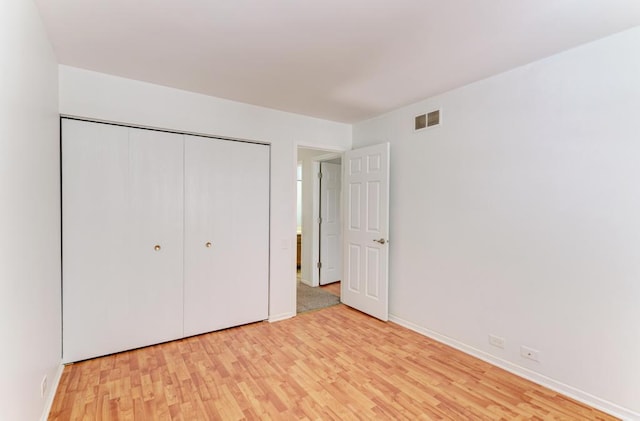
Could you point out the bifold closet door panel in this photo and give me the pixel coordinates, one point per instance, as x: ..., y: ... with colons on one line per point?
x: 120, y: 189
x: 226, y: 234
x: 156, y: 168
x: 94, y: 251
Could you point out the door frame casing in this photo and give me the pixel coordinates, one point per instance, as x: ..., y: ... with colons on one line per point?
x: 335, y: 151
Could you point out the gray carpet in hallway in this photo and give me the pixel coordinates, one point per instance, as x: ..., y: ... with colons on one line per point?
x: 310, y: 298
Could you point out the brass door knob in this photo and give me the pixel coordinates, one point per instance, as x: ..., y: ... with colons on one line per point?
x: 381, y: 241
x: 208, y: 244
x: 157, y: 247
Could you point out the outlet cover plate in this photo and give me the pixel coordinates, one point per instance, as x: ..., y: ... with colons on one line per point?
x: 530, y: 353
x: 496, y: 341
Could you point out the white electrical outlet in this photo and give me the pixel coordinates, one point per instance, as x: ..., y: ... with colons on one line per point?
x: 529, y: 353
x: 43, y: 386
x: 496, y: 341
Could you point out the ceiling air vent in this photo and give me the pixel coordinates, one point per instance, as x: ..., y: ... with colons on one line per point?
x: 427, y: 120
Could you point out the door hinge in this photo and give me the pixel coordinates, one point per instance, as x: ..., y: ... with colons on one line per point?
x: 319, y: 265
x: 319, y: 175
x: 320, y: 220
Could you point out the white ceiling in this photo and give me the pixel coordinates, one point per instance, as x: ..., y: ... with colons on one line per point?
x: 343, y: 60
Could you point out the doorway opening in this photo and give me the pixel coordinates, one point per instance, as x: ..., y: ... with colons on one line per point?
x: 319, y: 229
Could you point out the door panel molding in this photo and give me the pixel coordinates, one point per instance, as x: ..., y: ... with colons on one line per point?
x: 366, y: 230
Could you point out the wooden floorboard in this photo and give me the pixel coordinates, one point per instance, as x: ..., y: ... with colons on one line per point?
x: 331, y: 364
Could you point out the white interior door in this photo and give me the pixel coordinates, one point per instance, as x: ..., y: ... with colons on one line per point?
x: 226, y: 234
x: 330, y: 225
x: 366, y: 230
x: 122, y: 195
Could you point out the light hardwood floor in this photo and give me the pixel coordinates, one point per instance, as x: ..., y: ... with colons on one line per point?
x: 331, y: 364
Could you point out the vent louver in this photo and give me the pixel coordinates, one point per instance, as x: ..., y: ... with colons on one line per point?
x: 427, y: 120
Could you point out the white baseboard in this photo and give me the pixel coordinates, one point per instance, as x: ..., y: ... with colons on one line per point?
x: 52, y: 393
x: 281, y: 316
x: 572, y: 392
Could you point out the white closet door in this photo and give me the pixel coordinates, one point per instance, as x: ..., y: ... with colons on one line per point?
x: 122, y: 195
x: 94, y: 251
x: 156, y: 171
x: 226, y: 234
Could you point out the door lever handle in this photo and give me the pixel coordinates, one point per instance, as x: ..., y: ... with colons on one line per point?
x: 381, y: 241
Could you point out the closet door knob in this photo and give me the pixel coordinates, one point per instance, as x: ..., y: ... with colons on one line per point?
x: 208, y: 244
x: 157, y: 247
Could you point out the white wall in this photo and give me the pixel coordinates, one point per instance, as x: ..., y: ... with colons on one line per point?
x: 30, y: 322
x: 99, y: 96
x: 520, y: 216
